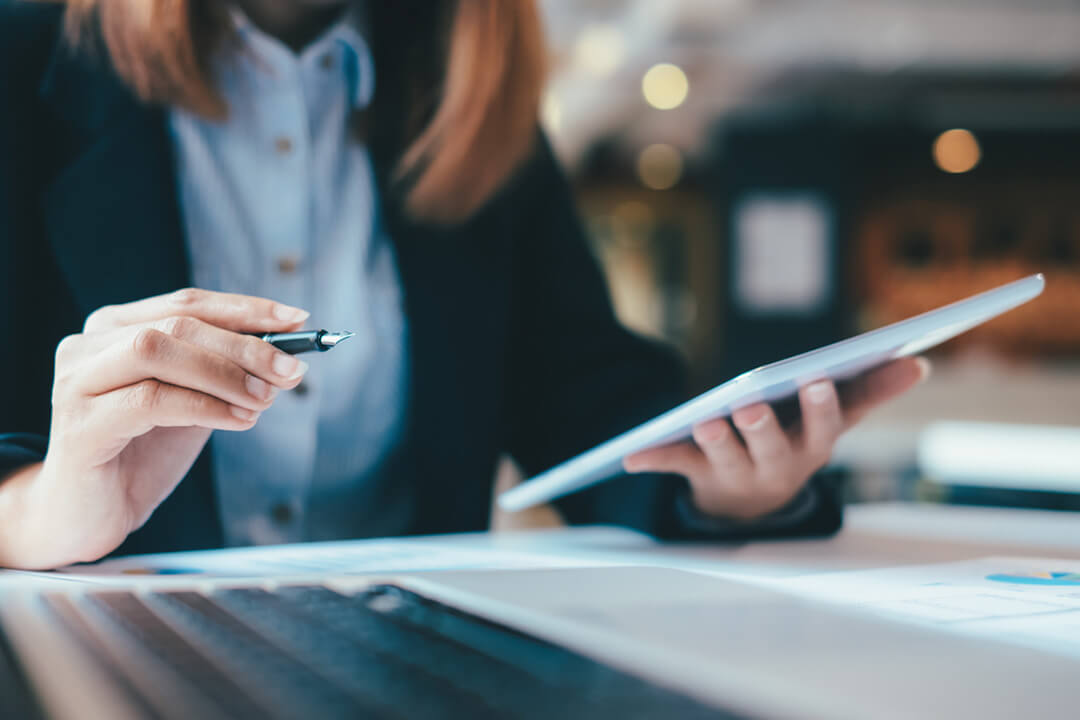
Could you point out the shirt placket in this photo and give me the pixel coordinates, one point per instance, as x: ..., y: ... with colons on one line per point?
x: 279, y: 516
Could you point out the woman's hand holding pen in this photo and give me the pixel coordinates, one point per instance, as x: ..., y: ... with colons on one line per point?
x: 763, y: 466
x: 135, y: 397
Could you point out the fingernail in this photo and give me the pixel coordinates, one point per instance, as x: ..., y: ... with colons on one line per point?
x: 925, y: 368
x: 754, y: 424
x: 631, y: 464
x: 819, y: 392
x: 289, y: 314
x: 285, y: 365
x: 258, y: 388
x: 711, y: 432
x: 243, y: 413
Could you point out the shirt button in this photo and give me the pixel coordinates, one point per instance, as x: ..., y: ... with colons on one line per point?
x: 283, y: 145
x: 302, y: 389
x: 287, y: 264
x: 326, y: 61
x: 281, y: 514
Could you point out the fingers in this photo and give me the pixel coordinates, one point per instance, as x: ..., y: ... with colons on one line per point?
x: 767, y: 443
x: 866, y: 392
x: 136, y: 409
x: 106, y: 423
x: 241, y: 313
x: 152, y: 354
x: 250, y: 353
x: 722, y: 448
x: 717, y: 451
x: 727, y: 478
x: 766, y: 469
x: 822, y: 420
x: 681, y: 459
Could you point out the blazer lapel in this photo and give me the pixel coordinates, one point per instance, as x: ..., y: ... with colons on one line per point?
x: 111, y: 209
x: 453, y: 279
x: 431, y: 262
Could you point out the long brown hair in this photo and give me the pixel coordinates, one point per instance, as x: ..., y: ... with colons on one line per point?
x: 469, y: 107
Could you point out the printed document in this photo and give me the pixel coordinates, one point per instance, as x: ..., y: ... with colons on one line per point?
x: 1031, y: 601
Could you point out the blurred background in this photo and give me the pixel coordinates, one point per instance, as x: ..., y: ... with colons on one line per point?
x: 760, y: 177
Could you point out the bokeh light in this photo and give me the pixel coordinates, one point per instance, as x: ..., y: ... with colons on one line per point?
x: 660, y: 166
x: 599, y: 50
x: 665, y: 86
x: 957, y: 151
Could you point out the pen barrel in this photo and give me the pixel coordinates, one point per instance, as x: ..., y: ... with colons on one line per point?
x: 297, y: 342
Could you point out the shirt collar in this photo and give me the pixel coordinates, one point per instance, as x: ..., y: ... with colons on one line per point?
x: 346, y: 33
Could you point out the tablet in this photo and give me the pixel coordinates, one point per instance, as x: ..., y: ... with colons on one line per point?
x: 774, y: 382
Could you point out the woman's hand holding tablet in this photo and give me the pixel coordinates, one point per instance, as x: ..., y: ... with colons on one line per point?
x: 759, y: 465
x: 762, y: 466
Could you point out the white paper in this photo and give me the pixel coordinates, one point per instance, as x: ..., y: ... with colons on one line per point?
x: 333, y: 558
x: 1031, y: 601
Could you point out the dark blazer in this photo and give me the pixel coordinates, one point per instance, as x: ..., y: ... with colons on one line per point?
x: 513, y: 344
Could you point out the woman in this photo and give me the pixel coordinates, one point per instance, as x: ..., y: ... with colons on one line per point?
x: 176, y: 177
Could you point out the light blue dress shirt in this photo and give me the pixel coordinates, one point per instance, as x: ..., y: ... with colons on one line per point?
x: 279, y: 201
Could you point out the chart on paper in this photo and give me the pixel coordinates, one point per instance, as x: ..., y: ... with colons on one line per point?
x: 1031, y: 601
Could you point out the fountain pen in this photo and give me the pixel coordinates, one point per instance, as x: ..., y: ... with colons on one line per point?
x: 306, y: 340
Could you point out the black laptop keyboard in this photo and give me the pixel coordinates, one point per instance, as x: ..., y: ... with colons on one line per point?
x: 311, y: 652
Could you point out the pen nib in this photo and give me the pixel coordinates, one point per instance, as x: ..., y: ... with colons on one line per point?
x: 331, y: 339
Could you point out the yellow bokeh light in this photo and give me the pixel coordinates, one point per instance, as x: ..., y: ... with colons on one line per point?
x: 599, y: 49
x: 957, y: 151
x: 665, y: 86
x: 660, y: 166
